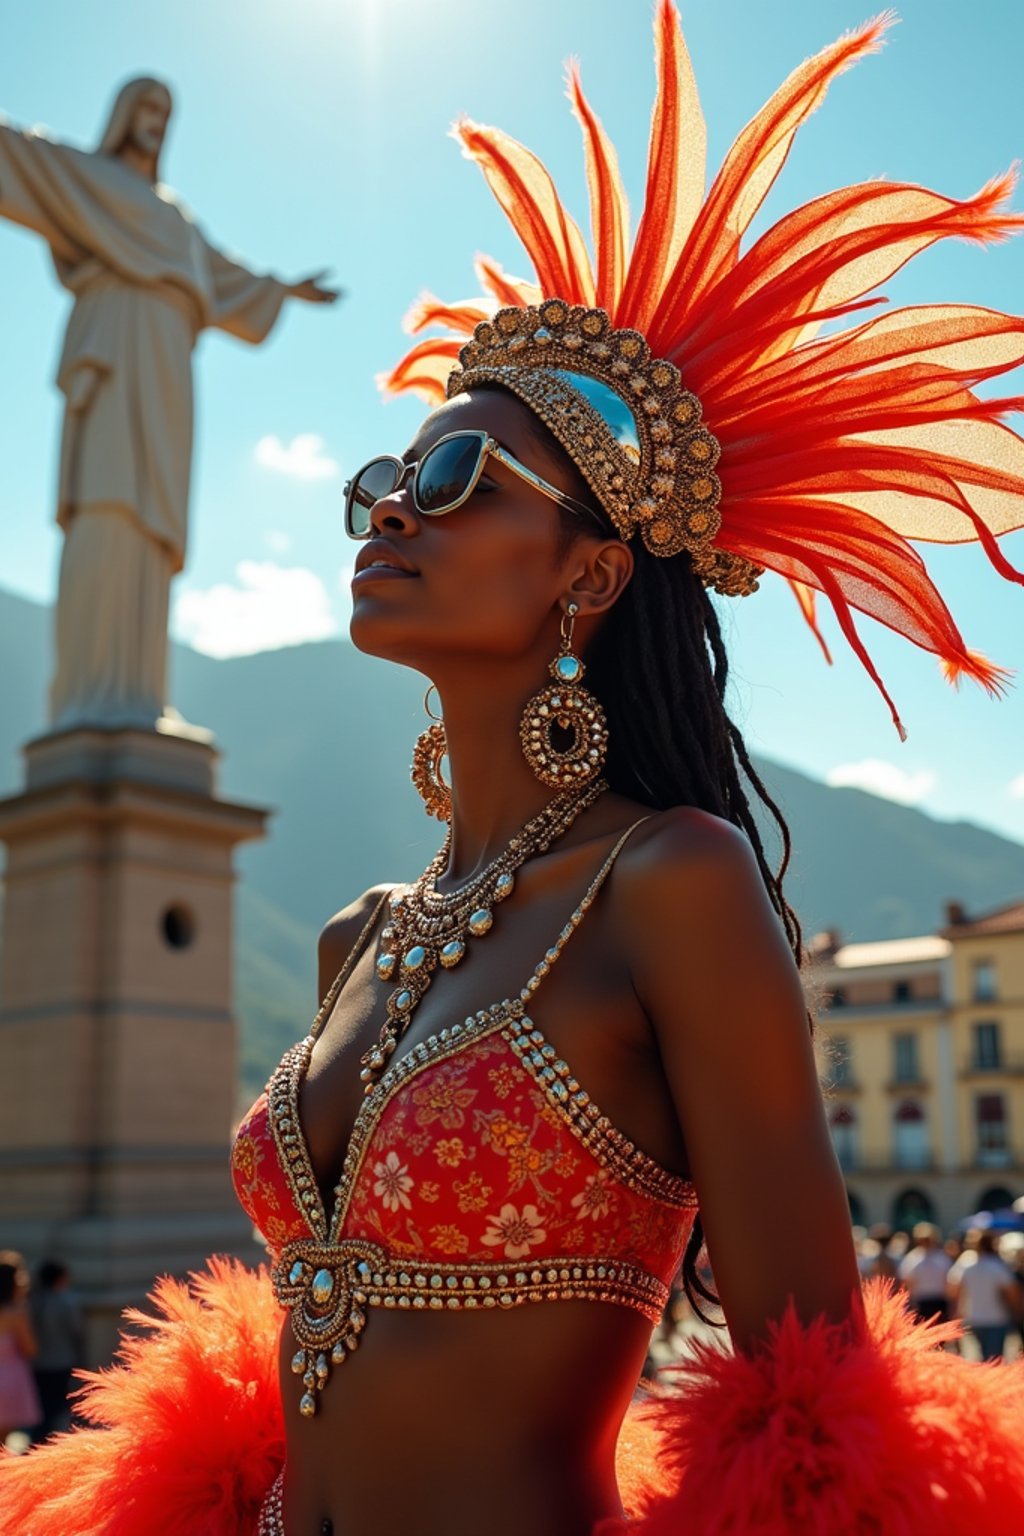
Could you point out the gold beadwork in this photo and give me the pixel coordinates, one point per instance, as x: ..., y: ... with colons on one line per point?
x: 312, y: 1278
x: 431, y: 747
x: 435, y: 927
x: 525, y: 348
x: 567, y: 706
x: 271, y: 1519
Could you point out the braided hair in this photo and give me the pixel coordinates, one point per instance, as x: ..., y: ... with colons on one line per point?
x: 659, y: 657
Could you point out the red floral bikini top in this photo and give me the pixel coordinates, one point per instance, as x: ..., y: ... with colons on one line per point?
x: 479, y: 1173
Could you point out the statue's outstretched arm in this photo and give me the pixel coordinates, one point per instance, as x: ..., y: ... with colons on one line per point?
x: 42, y: 189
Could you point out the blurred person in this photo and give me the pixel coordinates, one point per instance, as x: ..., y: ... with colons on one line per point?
x: 983, y: 1290
x: 1011, y: 1251
x: 60, y: 1336
x: 880, y: 1261
x: 19, y: 1400
x: 923, y: 1272
x: 469, y: 1252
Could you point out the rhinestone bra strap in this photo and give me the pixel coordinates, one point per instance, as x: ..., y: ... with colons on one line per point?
x: 324, y: 1011
x: 553, y: 954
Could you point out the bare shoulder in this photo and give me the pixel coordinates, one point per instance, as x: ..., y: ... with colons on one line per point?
x: 698, y: 924
x: 678, y: 851
x: 340, y: 934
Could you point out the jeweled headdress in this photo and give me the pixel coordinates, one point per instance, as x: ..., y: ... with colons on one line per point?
x: 689, y: 383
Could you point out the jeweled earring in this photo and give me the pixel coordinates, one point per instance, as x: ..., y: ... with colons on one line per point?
x: 431, y: 747
x: 571, y: 708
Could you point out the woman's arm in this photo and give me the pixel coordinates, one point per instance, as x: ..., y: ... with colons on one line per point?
x: 715, y: 974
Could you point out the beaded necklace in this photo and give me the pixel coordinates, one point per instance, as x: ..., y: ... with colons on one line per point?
x: 428, y: 928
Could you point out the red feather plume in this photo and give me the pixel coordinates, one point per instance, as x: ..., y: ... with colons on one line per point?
x: 837, y: 450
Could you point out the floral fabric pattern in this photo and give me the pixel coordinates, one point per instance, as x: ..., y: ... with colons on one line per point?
x: 481, y: 1166
x: 468, y: 1161
x: 259, y: 1181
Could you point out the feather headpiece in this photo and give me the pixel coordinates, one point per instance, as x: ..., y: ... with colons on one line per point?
x: 754, y: 441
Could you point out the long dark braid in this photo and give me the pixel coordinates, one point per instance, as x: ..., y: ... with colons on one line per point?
x: 659, y: 666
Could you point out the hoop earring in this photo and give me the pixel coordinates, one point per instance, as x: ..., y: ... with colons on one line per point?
x: 431, y: 746
x: 566, y: 705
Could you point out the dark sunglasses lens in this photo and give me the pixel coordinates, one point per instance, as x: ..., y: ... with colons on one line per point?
x: 377, y: 480
x: 444, y: 473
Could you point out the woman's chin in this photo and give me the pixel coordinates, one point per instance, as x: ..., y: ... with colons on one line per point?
x: 380, y: 634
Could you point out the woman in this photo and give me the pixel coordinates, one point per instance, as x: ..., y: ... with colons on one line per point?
x: 19, y: 1402
x: 588, y: 1010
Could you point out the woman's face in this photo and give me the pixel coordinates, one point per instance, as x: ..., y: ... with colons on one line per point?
x: 483, y: 580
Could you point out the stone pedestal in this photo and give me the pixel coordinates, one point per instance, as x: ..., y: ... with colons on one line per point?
x: 118, y: 1042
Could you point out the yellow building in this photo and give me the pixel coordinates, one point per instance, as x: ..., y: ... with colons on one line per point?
x: 923, y: 1055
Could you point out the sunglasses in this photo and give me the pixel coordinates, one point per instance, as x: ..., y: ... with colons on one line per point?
x: 444, y: 478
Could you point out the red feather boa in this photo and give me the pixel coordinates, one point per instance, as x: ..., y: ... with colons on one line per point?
x: 810, y: 1436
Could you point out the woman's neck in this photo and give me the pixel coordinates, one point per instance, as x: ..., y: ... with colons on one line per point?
x: 494, y: 790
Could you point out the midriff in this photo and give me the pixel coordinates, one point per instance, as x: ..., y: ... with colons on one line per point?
x: 501, y: 1423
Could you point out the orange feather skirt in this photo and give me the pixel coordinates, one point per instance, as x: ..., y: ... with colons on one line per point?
x: 813, y: 1435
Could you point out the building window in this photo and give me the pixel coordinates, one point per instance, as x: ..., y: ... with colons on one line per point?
x: 841, y: 1063
x: 905, y: 1068
x: 911, y: 1148
x: 986, y: 1046
x: 984, y: 985
x: 992, y: 1130
x: 844, y: 1135
x: 995, y: 1198
x: 901, y: 992
x: 909, y: 1207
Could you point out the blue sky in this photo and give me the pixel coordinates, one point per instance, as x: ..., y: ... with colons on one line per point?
x: 313, y: 133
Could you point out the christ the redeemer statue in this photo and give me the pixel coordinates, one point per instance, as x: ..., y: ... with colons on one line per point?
x: 145, y: 281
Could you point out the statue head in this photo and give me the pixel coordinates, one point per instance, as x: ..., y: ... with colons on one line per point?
x: 139, y: 118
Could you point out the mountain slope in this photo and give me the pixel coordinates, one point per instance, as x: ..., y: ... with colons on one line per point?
x: 324, y: 737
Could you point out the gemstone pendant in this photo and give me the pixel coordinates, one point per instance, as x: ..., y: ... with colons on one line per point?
x: 307, y: 1405
x: 480, y: 921
x: 322, y: 1287
x: 413, y: 958
x: 385, y: 966
x: 452, y: 953
x: 504, y: 886
x: 299, y: 1362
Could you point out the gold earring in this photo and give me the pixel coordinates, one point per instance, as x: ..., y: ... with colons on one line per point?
x: 566, y: 705
x: 431, y: 747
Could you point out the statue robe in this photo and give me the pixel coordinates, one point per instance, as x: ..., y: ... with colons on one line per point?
x: 145, y: 282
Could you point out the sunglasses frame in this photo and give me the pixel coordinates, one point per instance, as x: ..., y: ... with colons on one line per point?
x: 489, y: 447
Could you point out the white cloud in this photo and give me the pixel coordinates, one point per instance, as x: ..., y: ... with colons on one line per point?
x: 278, y: 542
x: 885, y: 779
x: 303, y: 458
x: 271, y: 605
x: 1016, y: 787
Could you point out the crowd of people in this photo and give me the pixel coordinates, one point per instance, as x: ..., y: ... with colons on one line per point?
x: 975, y: 1275
x: 41, y: 1343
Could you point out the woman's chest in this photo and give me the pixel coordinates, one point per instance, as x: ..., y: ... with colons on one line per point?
x: 586, y: 1009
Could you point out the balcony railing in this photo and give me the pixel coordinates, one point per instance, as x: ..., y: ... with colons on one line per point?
x: 880, y: 1163
x: 1005, y: 1065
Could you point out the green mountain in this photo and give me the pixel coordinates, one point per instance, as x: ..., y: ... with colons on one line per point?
x: 323, y: 735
